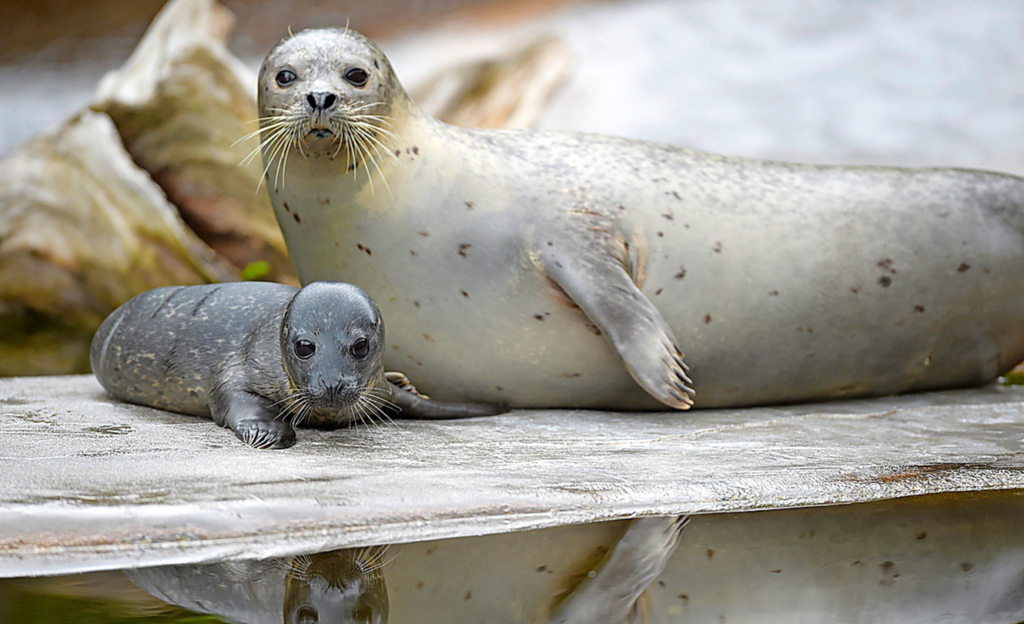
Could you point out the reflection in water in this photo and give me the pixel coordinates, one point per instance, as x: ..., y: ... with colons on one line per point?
x: 348, y: 586
x: 341, y: 586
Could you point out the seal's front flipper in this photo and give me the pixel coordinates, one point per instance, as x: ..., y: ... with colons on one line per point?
x: 252, y: 417
x: 611, y: 591
x: 412, y: 404
x: 606, y: 293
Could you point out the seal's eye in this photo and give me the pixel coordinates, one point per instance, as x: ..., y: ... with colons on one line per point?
x: 304, y: 349
x: 360, y: 348
x: 357, y: 76
x: 285, y: 77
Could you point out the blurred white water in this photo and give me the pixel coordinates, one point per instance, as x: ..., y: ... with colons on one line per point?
x: 914, y: 82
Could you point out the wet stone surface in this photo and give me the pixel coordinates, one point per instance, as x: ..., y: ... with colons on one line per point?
x: 90, y: 483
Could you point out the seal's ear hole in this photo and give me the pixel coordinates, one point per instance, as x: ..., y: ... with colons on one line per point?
x: 360, y: 348
x: 304, y: 349
x: 286, y: 77
x: 376, y: 63
x: 357, y: 77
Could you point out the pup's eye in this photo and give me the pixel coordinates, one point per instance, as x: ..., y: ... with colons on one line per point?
x: 304, y: 349
x: 360, y: 348
x: 357, y: 76
x: 285, y: 77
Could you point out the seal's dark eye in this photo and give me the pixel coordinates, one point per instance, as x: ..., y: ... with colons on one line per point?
x: 285, y: 77
x: 360, y: 348
x: 307, y: 615
x: 304, y: 349
x: 357, y: 76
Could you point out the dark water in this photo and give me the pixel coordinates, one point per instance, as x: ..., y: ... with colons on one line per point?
x: 942, y: 558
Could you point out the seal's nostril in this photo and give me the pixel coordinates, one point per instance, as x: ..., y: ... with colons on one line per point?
x: 321, y: 100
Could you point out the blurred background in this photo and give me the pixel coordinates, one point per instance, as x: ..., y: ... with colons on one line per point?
x: 111, y: 187
x: 937, y: 82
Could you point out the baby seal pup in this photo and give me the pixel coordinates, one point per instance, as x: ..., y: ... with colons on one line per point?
x: 544, y: 269
x: 258, y: 358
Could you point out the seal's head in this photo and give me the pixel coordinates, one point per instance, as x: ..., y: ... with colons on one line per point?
x: 332, y: 345
x: 337, y: 586
x: 328, y: 94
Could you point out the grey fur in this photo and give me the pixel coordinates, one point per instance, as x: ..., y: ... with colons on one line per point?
x: 228, y: 351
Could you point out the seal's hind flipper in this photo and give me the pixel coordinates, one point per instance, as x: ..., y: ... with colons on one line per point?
x: 605, y: 291
x: 412, y: 404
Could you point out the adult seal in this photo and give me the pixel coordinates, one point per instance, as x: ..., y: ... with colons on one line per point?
x: 544, y: 269
x: 259, y: 358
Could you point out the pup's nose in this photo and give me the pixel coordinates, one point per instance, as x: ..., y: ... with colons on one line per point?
x: 321, y: 100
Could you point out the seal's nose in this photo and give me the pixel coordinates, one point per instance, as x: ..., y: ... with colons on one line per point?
x: 321, y: 100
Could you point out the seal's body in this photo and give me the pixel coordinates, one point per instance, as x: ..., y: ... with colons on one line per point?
x: 527, y: 267
x: 256, y: 357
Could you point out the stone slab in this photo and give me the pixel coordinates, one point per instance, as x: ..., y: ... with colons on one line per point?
x: 89, y: 483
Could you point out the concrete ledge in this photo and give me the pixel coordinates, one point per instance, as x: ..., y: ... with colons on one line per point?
x: 89, y: 483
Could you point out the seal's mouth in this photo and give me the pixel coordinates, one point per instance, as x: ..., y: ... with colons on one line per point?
x: 321, y: 133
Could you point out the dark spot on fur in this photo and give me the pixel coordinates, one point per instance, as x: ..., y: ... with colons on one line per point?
x: 462, y: 249
x: 684, y: 598
x: 464, y: 294
x: 676, y: 195
x: 415, y: 361
x: 416, y: 303
x: 415, y: 150
x: 985, y: 271
x: 622, y: 207
x: 966, y: 567
x: 286, y: 208
x: 469, y: 594
x: 776, y: 571
x: 412, y: 253
x: 398, y: 153
x: 710, y: 553
x: 658, y: 292
x: 922, y: 535
x: 661, y: 234
x: 963, y: 267
x: 376, y: 64
x: 707, y: 319
x: 550, y: 244
x: 424, y: 234
x: 718, y: 247
x: 662, y: 584
x: 681, y: 274
x: 918, y: 308
x: 887, y: 566
x: 395, y: 347
x: 570, y: 375
x: 298, y: 219
x: 359, y: 246
x: 428, y: 338
x: 774, y: 293
x: 324, y: 201
x: 539, y: 317
x: 885, y: 281
x: 887, y: 265
x: 855, y: 289
x: 542, y: 568
x: 559, y: 264
x: 469, y: 205
x: 419, y: 585
x: 368, y: 252
x: 499, y: 388
x: 669, y: 216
